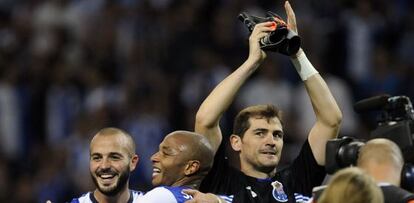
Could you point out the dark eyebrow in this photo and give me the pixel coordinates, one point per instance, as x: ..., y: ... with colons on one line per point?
x: 115, y: 153
x: 279, y: 131
x: 260, y: 129
x: 110, y: 154
x: 166, y: 148
x: 96, y: 154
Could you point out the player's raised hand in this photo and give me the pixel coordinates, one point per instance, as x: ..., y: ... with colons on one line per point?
x: 291, y: 18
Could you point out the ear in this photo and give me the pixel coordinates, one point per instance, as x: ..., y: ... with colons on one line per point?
x: 192, y: 167
x: 235, y: 142
x: 134, y: 162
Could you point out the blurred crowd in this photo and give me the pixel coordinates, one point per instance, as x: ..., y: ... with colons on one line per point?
x: 71, y: 67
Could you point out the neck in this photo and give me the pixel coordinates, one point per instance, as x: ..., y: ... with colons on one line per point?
x: 122, y: 196
x: 382, y: 173
x: 257, y: 173
x: 191, y: 182
x: 388, y: 178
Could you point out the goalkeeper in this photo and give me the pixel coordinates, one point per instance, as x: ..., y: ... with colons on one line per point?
x: 258, y: 134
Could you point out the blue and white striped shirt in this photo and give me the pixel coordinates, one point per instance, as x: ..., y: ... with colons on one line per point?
x: 167, y: 194
x: 89, y: 198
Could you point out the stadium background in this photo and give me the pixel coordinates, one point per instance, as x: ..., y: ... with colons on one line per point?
x: 71, y: 67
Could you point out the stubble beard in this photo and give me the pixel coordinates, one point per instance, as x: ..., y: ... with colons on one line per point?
x: 114, y: 190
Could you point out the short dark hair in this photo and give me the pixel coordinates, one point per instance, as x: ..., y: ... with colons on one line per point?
x: 241, y: 122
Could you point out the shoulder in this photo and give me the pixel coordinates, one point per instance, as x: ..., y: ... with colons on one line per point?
x: 165, y: 194
x: 85, y: 198
x: 178, y: 193
x: 393, y: 192
x: 136, y: 195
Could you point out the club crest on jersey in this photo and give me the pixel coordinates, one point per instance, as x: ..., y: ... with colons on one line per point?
x: 278, y: 192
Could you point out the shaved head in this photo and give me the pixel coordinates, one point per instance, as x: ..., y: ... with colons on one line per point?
x: 196, y: 147
x: 382, y: 159
x: 382, y: 151
x: 124, y: 138
x: 183, y: 159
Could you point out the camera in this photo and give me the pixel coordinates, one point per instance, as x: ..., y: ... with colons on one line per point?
x: 282, y: 40
x: 395, y: 122
x: 342, y: 152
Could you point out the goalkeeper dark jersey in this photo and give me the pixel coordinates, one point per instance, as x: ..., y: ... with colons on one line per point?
x: 291, y: 184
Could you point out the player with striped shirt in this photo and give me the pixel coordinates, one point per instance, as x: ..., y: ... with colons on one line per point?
x: 182, y: 161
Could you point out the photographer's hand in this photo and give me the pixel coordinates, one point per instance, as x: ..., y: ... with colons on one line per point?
x: 256, y: 54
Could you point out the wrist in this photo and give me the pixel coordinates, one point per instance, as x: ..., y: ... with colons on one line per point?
x: 297, y: 54
x: 253, y: 62
x: 303, y: 66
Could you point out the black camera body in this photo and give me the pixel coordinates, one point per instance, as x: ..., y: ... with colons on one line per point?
x: 401, y: 133
x: 396, y: 123
x: 341, y: 152
x: 282, y: 40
